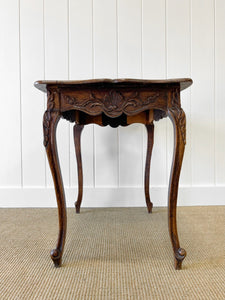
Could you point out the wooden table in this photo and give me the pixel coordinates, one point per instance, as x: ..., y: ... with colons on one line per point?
x: 114, y: 102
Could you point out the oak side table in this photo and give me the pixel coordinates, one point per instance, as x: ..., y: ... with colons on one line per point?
x: 114, y: 102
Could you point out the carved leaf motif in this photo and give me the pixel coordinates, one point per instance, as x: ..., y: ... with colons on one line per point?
x: 182, y: 124
x: 179, y: 113
x: 47, y: 117
x: 113, y: 103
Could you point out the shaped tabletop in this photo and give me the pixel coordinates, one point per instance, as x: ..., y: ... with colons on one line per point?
x: 43, y: 84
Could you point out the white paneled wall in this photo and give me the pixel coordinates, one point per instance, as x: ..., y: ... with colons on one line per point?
x: 83, y: 39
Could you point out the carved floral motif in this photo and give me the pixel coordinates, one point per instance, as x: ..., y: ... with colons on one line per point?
x: 113, y: 103
x: 179, y: 113
x: 47, y: 116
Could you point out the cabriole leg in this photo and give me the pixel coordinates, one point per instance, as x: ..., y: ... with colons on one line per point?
x: 77, y: 129
x: 150, y: 131
x: 50, y: 122
x: 177, y: 117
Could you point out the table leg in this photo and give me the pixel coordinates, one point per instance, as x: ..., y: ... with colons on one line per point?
x: 177, y: 117
x: 77, y: 129
x: 150, y: 131
x: 50, y: 122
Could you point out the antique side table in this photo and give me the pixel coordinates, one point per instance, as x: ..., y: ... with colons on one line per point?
x: 114, y: 102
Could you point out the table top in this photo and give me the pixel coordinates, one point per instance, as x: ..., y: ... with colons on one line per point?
x: 183, y: 82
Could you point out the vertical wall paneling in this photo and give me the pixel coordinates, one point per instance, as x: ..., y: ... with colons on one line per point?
x: 32, y: 103
x: 105, y: 66
x: 129, y: 65
x: 202, y: 106
x: 219, y: 91
x: 129, y: 38
x: 10, y: 121
x: 56, y: 67
x: 178, y: 66
x: 153, y: 64
x: 80, y: 67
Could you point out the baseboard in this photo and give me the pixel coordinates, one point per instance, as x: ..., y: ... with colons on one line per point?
x: 111, y: 197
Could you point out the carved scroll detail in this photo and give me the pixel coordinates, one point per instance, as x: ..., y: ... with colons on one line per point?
x: 47, y: 116
x: 179, y: 113
x: 113, y: 103
x: 180, y: 254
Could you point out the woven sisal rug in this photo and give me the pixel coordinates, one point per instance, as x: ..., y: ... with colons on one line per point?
x: 112, y: 253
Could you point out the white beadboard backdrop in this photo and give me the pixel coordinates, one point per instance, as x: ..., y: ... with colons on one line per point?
x: 83, y: 39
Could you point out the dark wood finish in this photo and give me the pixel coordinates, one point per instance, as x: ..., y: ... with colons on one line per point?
x: 114, y: 102
x: 77, y: 129
x: 178, y: 119
x: 44, y: 84
x: 150, y: 131
x: 50, y: 121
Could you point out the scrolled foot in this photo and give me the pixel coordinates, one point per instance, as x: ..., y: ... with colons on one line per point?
x: 77, y: 206
x: 56, y: 256
x: 179, y: 257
